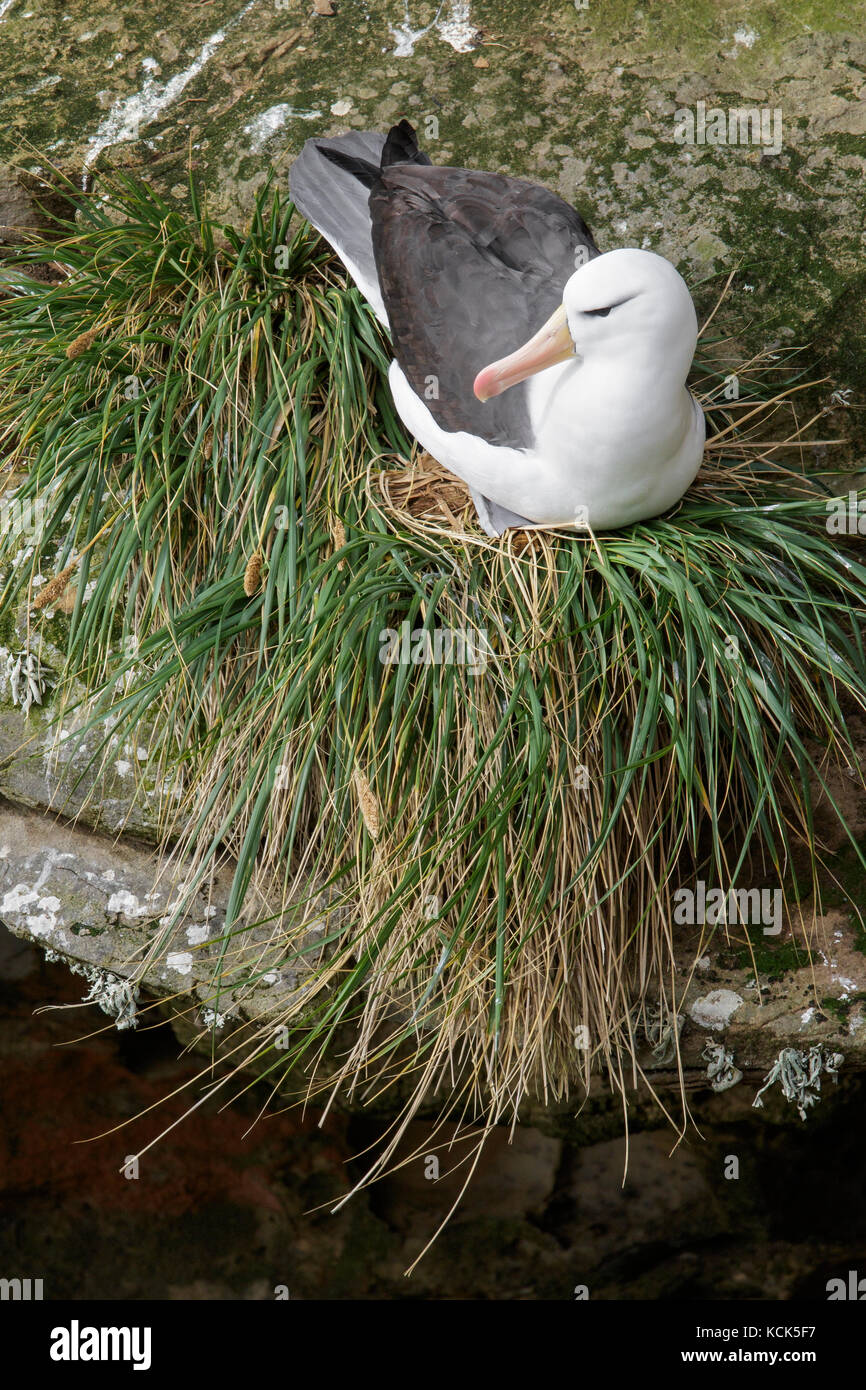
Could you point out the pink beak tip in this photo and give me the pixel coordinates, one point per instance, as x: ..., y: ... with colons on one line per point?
x: 484, y: 385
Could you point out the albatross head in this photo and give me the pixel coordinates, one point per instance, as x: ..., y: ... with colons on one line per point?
x: 630, y: 306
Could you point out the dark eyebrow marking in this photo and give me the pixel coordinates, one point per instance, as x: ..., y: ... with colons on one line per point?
x: 601, y: 313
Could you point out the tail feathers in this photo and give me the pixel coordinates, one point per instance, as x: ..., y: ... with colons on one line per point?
x: 365, y: 172
x: 401, y: 147
x: 330, y: 185
x: 337, y: 203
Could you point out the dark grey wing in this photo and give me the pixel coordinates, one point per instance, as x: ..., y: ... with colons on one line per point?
x: 470, y: 265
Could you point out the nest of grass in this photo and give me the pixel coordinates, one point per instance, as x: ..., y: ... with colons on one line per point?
x: 486, y: 849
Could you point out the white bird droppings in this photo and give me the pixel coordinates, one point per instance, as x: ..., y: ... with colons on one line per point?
x: 267, y: 123
x: 129, y: 114
x: 454, y: 29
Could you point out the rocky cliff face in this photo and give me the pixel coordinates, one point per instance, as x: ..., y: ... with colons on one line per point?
x: 637, y: 117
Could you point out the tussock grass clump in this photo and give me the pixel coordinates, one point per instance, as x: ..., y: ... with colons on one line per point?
x: 488, y: 843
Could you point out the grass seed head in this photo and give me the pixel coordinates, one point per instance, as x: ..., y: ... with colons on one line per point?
x: 368, y: 803
x: 82, y: 343
x: 253, y: 574
x: 338, y: 532
x: 54, y: 588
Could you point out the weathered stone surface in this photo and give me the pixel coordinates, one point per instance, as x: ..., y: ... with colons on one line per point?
x: 43, y: 767
x: 47, y: 758
x: 102, y: 905
x: 17, y: 212
x: 515, y: 1175
x: 26, y: 207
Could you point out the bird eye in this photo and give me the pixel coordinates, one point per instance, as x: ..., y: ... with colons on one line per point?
x: 599, y: 313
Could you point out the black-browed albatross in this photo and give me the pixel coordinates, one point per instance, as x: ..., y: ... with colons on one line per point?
x: 548, y: 376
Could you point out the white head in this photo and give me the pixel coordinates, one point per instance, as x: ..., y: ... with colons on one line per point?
x: 626, y: 305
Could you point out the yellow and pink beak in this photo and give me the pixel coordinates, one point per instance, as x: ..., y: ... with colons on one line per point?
x: 550, y: 345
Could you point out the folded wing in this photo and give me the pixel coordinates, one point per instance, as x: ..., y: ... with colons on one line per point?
x: 470, y: 264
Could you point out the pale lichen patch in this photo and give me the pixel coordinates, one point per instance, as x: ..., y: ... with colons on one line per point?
x: 715, y: 1010
x: 126, y: 903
